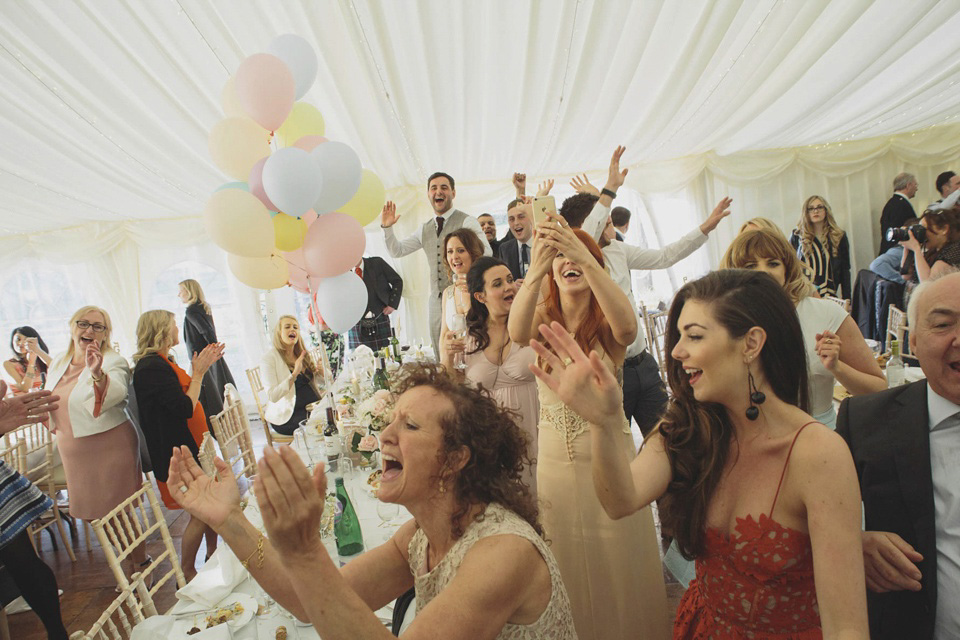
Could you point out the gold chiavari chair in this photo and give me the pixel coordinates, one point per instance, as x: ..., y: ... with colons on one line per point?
x: 655, y: 324
x: 233, y: 435
x: 207, y: 453
x: 840, y: 301
x: 35, y: 463
x: 130, y: 524
x: 256, y: 384
x: 131, y: 607
x: 896, y: 325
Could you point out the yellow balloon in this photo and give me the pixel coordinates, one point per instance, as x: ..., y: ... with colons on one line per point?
x: 229, y: 102
x: 236, y: 144
x: 260, y: 273
x: 304, y: 120
x: 366, y: 203
x: 289, y: 231
x: 239, y: 223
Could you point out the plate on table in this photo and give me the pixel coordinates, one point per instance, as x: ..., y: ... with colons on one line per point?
x: 235, y: 610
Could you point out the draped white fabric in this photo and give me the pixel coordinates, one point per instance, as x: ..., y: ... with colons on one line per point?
x: 106, y: 108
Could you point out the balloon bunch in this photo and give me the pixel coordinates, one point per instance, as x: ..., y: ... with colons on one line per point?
x: 295, y: 214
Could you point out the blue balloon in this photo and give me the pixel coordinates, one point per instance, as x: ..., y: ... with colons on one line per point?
x: 233, y: 185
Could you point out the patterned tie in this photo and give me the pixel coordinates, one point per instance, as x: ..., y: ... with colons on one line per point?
x: 524, y: 259
x: 439, y: 225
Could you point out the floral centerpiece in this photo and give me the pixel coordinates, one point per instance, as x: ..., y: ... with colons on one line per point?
x: 374, y: 414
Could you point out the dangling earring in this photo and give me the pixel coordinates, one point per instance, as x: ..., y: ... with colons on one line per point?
x: 443, y: 487
x: 756, y: 397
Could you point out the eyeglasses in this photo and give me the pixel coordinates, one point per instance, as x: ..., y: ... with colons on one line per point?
x: 83, y: 325
x: 819, y: 207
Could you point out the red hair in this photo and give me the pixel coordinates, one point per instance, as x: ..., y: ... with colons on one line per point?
x: 595, y: 326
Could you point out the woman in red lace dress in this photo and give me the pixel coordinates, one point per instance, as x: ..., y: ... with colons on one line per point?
x: 765, y: 499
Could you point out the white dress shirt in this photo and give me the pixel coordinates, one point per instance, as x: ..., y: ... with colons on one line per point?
x: 621, y: 258
x: 399, y: 248
x: 944, y: 419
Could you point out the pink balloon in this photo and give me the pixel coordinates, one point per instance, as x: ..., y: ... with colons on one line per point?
x: 265, y: 89
x: 308, y: 143
x: 310, y: 217
x: 333, y: 245
x: 298, y: 270
x: 256, y: 184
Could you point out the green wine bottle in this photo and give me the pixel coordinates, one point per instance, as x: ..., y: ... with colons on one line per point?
x: 380, y: 376
x: 347, y: 528
x: 395, y: 345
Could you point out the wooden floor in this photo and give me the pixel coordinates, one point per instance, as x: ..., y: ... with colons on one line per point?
x: 88, y: 585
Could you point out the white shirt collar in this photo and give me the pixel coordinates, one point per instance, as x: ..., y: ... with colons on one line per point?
x: 902, y: 195
x: 939, y: 408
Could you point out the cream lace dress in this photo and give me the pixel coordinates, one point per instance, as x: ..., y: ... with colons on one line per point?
x: 556, y: 622
x: 611, y: 568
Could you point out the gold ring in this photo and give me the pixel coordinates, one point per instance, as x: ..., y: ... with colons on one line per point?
x: 567, y: 361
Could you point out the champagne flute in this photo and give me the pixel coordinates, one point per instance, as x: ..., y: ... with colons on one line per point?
x: 458, y: 325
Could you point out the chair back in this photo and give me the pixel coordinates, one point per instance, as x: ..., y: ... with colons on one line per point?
x: 256, y: 385
x: 232, y: 431
x: 655, y: 324
x: 129, y: 525
x: 130, y: 608
x: 896, y: 326
x: 840, y: 301
x: 207, y: 453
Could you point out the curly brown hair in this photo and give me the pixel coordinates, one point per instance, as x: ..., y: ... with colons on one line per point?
x: 498, y: 447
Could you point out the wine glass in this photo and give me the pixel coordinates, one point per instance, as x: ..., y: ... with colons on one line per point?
x: 458, y: 325
x: 387, y: 512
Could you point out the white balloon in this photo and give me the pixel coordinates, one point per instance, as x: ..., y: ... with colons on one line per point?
x: 342, y: 301
x: 292, y: 180
x: 300, y: 57
x: 341, y: 171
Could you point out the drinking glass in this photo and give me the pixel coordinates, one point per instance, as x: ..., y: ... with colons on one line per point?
x: 387, y: 512
x: 458, y: 325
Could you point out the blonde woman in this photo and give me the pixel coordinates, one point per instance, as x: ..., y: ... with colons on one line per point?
x: 198, y: 332
x: 835, y: 347
x: 822, y: 245
x: 760, y: 223
x: 171, y: 414
x: 293, y: 380
x: 97, y: 442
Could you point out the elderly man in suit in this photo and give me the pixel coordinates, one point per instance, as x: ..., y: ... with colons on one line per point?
x: 384, y: 288
x: 898, y: 208
x: 906, y: 446
x: 440, y: 192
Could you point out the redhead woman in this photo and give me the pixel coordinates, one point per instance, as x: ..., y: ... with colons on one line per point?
x: 474, y: 548
x: 836, y: 350
x: 98, y: 443
x: 763, y: 497
x: 611, y: 568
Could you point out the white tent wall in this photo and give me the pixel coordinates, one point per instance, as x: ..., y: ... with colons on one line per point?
x: 123, y: 264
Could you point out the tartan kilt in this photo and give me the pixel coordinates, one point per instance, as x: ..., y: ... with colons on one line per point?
x: 378, y: 341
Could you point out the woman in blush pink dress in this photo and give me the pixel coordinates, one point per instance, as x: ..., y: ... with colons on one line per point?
x: 493, y: 361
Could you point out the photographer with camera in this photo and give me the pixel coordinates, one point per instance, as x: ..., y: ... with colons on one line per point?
x: 936, y: 240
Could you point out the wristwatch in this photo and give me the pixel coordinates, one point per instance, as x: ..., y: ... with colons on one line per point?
x: 607, y: 192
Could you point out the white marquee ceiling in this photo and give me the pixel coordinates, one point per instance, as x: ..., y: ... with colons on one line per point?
x: 106, y: 104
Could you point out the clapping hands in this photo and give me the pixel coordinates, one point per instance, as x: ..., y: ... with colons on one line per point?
x: 205, y: 359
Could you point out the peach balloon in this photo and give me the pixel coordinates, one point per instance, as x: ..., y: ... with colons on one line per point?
x: 309, y: 143
x: 333, y: 245
x: 265, y: 89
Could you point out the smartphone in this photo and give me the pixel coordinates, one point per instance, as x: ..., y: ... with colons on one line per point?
x: 542, y: 205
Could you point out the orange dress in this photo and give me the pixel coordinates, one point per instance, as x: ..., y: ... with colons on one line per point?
x: 757, y: 584
x: 197, y: 424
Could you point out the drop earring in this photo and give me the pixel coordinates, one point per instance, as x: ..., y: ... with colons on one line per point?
x: 756, y: 397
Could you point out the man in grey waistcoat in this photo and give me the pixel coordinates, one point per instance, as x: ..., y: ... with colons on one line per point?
x: 440, y: 193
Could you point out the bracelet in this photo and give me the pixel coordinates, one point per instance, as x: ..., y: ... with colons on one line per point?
x: 29, y: 374
x: 607, y: 192
x: 258, y: 551
x: 100, y: 379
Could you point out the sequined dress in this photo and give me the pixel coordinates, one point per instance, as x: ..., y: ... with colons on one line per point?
x: 611, y: 567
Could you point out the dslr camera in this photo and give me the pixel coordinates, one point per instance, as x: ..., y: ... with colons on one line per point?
x: 899, y: 234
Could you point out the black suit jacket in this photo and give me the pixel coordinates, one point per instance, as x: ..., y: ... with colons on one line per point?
x: 889, y: 436
x: 510, y: 254
x: 384, y: 285
x: 895, y: 213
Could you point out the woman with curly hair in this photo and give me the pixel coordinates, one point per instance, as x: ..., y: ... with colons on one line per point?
x: 612, y: 569
x: 763, y: 497
x: 822, y: 245
x: 836, y: 350
x: 474, y: 548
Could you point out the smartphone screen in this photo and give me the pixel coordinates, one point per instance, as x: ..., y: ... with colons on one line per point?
x: 542, y: 205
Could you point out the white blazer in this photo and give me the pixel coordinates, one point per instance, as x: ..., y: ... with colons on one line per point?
x: 281, y: 392
x: 82, y: 400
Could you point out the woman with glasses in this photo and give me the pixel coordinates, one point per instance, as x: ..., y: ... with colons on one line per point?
x: 98, y: 444
x: 822, y: 246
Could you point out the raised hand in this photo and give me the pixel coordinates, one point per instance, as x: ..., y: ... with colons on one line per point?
x: 520, y: 183
x: 543, y: 189
x: 721, y: 211
x: 291, y: 502
x: 912, y: 244
x: 94, y: 359
x: 615, y: 176
x: 542, y: 255
x: 211, y: 500
x: 582, y: 382
x: 298, y: 365
x: 205, y: 359
x: 556, y: 233
x: 24, y: 409
x: 581, y: 184
x: 388, y: 215
x: 828, y: 349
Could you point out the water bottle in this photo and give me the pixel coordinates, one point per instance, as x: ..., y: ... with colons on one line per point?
x: 895, y: 368
x: 347, y: 527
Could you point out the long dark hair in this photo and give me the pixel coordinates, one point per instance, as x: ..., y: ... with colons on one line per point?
x: 29, y: 332
x: 696, y: 434
x: 478, y: 314
x: 497, y: 446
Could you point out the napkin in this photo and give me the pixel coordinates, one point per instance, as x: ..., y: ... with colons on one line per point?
x: 216, y: 580
x: 167, y: 627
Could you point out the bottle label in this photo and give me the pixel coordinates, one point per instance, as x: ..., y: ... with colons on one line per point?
x: 337, y: 512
